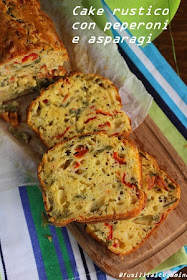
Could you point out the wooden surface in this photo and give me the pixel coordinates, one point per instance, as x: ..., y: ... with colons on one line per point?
x: 169, y: 237
x: 179, y: 31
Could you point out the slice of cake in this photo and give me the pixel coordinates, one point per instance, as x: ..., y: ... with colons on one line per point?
x: 31, y: 53
x: 163, y: 194
x: 91, y: 178
x: 79, y: 104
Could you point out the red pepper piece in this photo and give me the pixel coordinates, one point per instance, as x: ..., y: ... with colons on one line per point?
x: 44, y: 66
x: 82, y: 148
x: 45, y: 101
x: 92, y: 107
x: 127, y: 184
x: 103, y: 113
x: 105, y: 124
x: 62, y: 135
x: 90, y: 119
x: 115, y: 134
x: 162, y: 217
x: 65, y: 97
x: 118, y: 159
x: 116, y: 244
x: 118, y: 173
x: 110, y: 236
x: 52, y: 72
x: 150, y: 181
x: 77, y: 165
x: 161, y: 183
x: 145, y: 199
x: 32, y: 55
x: 16, y: 62
x: 115, y: 112
x: 12, y: 79
x: 81, y: 153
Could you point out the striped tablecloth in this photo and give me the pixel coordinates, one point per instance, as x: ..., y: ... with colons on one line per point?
x: 169, y: 109
x: 26, y: 253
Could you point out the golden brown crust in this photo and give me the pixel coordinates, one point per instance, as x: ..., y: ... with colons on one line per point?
x: 25, y: 28
x: 148, y: 156
x: 11, y: 118
x: 177, y: 188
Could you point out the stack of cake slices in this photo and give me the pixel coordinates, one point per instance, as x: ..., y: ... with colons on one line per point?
x: 92, y: 173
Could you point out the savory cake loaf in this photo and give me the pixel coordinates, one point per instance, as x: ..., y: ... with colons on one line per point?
x: 163, y: 194
x: 91, y: 178
x: 30, y: 50
x: 79, y: 104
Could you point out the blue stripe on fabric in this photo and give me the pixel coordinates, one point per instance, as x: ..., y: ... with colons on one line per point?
x: 3, y: 262
x: 147, y: 74
x: 160, y: 102
x: 70, y: 252
x: 166, y: 70
x: 160, y: 63
x: 58, y: 252
x: 185, y: 247
x: 177, y: 268
x: 100, y: 274
x: 153, y: 82
x: 33, y: 235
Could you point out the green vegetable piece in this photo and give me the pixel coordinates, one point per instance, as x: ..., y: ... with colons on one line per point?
x: 170, y: 203
x: 67, y: 104
x: 19, y: 134
x: 37, y: 60
x: 80, y: 196
x: 171, y: 186
x: 151, y: 174
x: 107, y: 148
x: 11, y: 108
x: 85, y: 103
x: 141, y: 154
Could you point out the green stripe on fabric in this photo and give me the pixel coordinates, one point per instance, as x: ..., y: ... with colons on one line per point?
x: 64, y: 253
x: 47, y: 248
x: 100, y: 20
x: 169, y: 130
